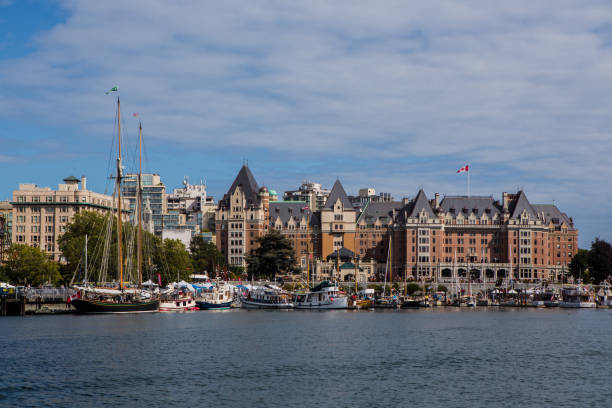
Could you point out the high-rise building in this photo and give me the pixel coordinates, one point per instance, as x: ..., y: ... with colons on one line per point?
x: 195, y: 207
x: 40, y: 214
x: 6, y: 227
x: 311, y: 193
x: 153, y: 199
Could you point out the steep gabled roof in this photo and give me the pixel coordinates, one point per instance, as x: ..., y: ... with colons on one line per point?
x: 247, y: 183
x: 551, y: 213
x: 337, y: 192
x: 383, y: 211
x: 286, y: 210
x: 522, y: 204
x: 473, y: 204
x: 421, y: 203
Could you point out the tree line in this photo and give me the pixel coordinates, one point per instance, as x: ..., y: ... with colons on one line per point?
x: 594, y: 264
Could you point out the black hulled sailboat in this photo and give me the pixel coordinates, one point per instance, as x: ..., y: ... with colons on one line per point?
x: 93, y: 300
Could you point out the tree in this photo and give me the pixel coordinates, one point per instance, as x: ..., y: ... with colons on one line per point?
x: 600, y: 260
x: 172, y: 261
x: 275, y: 254
x: 30, y: 265
x: 205, y: 256
x: 579, y: 264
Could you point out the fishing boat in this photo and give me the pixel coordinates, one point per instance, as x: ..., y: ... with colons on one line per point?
x: 326, y: 295
x: 217, y: 297
x: 266, y: 297
x: 121, y: 299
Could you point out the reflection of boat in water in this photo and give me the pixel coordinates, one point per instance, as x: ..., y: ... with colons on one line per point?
x: 325, y: 295
x: 266, y: 297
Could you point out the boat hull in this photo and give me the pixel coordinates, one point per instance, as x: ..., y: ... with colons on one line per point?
x: 337, y: 303
x: 577, y: 305
x: 94, y: 306
x: 411, y: 304
x: 202, y: 305
x: 250, y: 304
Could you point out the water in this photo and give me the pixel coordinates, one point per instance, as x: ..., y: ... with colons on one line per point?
x: 438, y: 357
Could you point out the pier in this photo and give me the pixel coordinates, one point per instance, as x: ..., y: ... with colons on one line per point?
x: 22, y: 301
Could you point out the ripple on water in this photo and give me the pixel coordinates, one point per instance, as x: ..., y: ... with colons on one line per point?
x: 429, y: 358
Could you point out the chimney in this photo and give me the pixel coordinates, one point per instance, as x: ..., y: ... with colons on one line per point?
x: 83, y: 183
x: 436, y: 201
x: 505, y: 200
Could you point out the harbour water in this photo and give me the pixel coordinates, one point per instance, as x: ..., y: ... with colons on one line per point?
x: 443, y: 357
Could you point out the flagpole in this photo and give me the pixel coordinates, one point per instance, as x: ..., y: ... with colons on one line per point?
x: 468, y: 180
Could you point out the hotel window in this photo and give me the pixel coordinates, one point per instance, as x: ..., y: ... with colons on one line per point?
x: 49, y: 228
x: 36, y: 218
x: 21, y: 199
x: 49, y: 199
x: 36, y: 209
x: 35, y: 228
x: 21, y: 228
x: 21, y: 218
x: 21, y: 209
x: 20, y: 238
x: 64, y: 199
x: 36, y: 199
x: 63, y: 218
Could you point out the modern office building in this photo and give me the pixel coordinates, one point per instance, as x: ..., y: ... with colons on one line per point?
x: 153, y: 199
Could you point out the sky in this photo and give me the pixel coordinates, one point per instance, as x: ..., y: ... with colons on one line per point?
x: 394, y: 95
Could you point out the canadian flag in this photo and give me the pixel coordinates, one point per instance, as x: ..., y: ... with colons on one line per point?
x: 464, y: 168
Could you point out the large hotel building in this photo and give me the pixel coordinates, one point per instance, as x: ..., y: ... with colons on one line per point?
x: 449, y: 237
x: 40, y: 214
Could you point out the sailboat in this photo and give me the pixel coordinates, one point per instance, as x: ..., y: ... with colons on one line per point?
x: 119, y: 300
x: 387, y: 302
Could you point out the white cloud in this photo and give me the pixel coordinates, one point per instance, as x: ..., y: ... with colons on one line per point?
x: 524, y: 86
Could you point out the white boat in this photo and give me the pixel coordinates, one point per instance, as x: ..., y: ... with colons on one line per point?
x: 326, y: 295
x: 576, y: 297
x: 604, y: 297
x: 216, y: 297
x: 179, y: 302
x: 266, y: 297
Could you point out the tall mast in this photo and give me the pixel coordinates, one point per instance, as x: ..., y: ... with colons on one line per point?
x: 139, y: 206
x: 119, y: 232
x: 391, y: 263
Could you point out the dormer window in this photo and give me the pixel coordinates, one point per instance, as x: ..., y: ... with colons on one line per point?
x: 475, y: 210
x: 488, y: 211
x: 465, y: 210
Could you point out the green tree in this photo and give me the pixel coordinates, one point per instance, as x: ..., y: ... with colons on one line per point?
x: 205, y: 256
x: 413, y: 288
x: 600, y: 260
x: 274, y: 255
x: 30, y: 265
x: 580, y: 263
x: 172, y: 261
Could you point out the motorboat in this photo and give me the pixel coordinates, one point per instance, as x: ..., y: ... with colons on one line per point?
x: 266, y: 297
x: 576, y: 297
x: 325, y: 295
x: 177, y: 302
x: 216, y: 297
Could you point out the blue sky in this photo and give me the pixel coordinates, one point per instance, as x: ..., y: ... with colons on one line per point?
x: 390, y: 94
